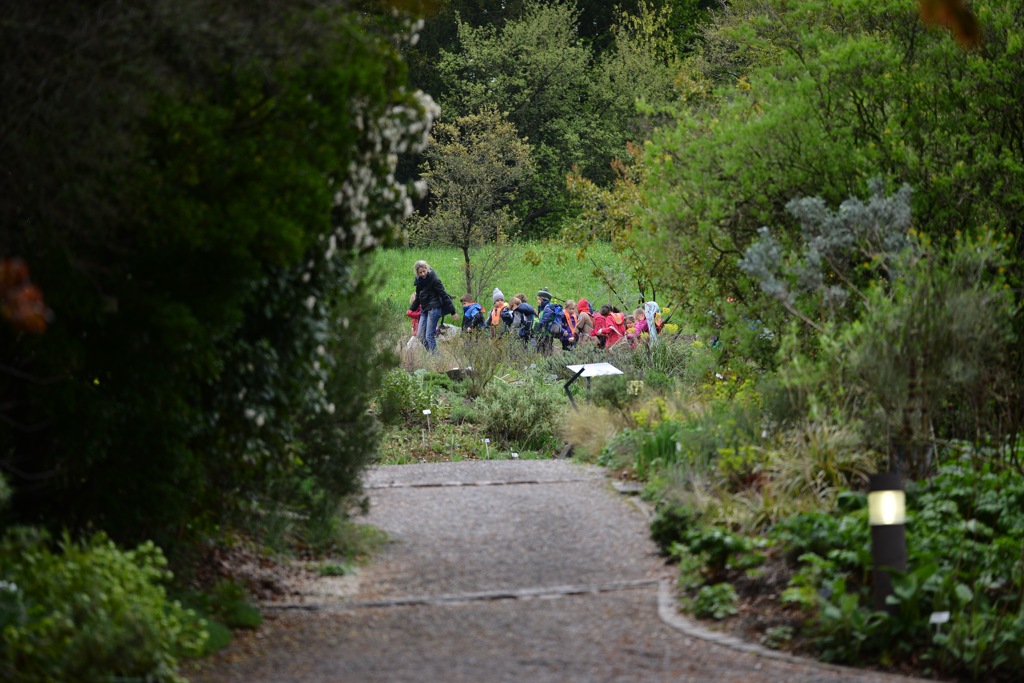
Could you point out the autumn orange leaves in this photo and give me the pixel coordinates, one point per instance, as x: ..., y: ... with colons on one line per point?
x: 21, y: 302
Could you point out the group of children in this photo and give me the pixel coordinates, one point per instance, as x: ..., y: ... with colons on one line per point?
x: 570, y: 323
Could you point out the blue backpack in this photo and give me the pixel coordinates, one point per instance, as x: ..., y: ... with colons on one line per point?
x: 557, y: 325
x: 473, y: 317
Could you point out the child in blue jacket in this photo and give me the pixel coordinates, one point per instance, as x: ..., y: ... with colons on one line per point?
x: 472, y: 314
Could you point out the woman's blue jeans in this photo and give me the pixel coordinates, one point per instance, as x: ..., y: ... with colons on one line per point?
x: 425, y: 331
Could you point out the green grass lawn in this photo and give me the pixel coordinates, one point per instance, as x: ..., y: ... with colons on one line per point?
x: 559, y: 270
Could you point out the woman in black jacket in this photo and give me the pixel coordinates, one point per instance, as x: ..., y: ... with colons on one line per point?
x: 433, y: 301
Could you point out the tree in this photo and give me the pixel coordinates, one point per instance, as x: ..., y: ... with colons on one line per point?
x: 576, y: 102
x: 539, y: 69
x: 641, y: 68
x: 474, y: 168
x: 193, y: 198
x: 787, y: 100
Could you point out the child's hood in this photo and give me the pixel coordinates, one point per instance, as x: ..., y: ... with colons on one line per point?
x: 616, y: 318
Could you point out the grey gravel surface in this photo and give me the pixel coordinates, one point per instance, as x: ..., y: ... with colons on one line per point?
x: 502, y: 571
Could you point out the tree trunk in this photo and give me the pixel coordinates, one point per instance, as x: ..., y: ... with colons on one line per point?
x: 468, y: 272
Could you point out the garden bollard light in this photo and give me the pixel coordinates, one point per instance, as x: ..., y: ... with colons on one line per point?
x: 887, y: 516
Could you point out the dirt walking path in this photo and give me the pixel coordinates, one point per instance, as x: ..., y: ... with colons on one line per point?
x: 502, y: 572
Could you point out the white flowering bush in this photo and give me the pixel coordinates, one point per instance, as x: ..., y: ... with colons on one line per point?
x: 206, y: 261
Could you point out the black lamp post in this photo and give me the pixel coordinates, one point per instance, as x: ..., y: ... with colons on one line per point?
x: 887, y: 516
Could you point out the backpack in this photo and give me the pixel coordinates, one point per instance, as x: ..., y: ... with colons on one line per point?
x: 447, y: 303
x: 557, y: 324
x: 473, y: 317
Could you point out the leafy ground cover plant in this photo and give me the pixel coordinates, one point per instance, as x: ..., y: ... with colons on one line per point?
x: 715, y: 602
x: 87, y: 611
x: 965, y: 534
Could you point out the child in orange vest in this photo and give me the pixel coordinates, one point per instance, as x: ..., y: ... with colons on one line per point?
x: 500, y: 320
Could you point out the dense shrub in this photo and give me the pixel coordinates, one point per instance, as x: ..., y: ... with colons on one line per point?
x: 522, y: 415
x: 403, y: 397
x: 197, y: 226
x: 621, y: 450
x: 89, y: 611
x: 685, y: 360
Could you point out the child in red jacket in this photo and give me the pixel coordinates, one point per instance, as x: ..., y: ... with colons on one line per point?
x: 612, y: 325
x: 414, y: 313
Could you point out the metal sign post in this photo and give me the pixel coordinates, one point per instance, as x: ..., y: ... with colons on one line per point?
x: 588, y: 370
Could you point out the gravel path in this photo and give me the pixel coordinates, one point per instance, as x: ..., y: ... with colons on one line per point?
x: 502, y: 572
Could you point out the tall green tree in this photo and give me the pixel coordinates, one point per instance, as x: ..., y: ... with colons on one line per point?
x: 474, y: 168
x: 539, y: 69
x: 193, y: 185
x: 576, y: 104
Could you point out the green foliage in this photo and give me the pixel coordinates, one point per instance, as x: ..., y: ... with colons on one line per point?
x: 359, y: 541
x: 194, y: 210
x: 908, y: 326
x: 983, y: 641
x: 474, y: 169
x: 403, y: 396
x: 89, y: 611
x: 817, y: 460
x: 527, y: 65
x: 523, y: 415
x: 229, y: 604
x: 820, y: 533
x: 528, y: 61
x: 672, y: 524
x: 964, y: 535
x: 332, y: 569
x: 722, y: 549
x: 693, y: 572
x: 485, y: 356
x: 843, y: 629
x: 783, y: 100
x: 226, y: 605
x: 613, y: 393
x: 621, y: 449
x: 727, y: 427
x: 715, y: 602
x: 659, y: 449
x: 680, y: 359
x: 777, y: 637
